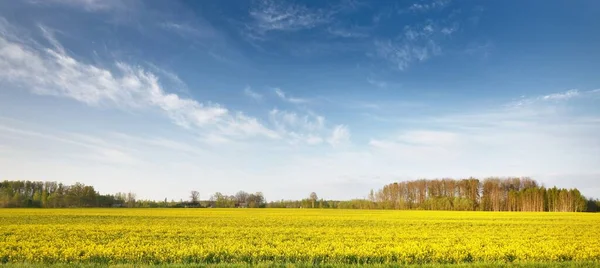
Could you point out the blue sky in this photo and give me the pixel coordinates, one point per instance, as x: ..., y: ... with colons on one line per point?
x: 337, y: 97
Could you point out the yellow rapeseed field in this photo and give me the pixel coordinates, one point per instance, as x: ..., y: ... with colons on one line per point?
x: 160, y: 236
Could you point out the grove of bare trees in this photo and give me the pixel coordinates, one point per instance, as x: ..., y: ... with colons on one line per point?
x: 492, y: 194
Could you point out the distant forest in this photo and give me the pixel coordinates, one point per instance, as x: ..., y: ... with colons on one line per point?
x: 491, y: 194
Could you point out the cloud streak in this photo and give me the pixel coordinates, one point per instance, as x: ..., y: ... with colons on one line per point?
x: 252, y: 94
x: 282, y: 95
x: 424, y: 7
x: 271, y: 16
x: 557, y: 97
x: 340, y: 135
x: 562, y: 96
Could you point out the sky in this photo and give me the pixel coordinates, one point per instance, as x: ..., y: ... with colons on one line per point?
x: 290, y: 97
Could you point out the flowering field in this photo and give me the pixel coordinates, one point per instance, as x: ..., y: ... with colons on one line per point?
x: 184, y: 236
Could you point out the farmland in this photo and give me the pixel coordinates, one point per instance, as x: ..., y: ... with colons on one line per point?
x: 294, y: 236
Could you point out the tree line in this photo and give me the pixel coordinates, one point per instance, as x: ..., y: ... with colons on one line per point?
x: 58, y: 195
x: 491, y: 194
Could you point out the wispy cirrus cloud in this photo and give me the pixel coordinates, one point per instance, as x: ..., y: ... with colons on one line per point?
x: 416, y: 43
x: 172, y: 77
x: 448, y: 30
x: 554, y: 97
x: 268, y: 15
x: 572, y: 93
x: 425, y: 6
x: 420, y: 41
x: 252, y: 94
x: 282, y: 95
x: 402, y: 54
x: 340, y: 135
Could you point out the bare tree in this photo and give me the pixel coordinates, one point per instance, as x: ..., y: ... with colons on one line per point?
x: 131, y: 199
x: 372, y: 196
x: 194, y: 196
x: 241, y: 197
x: 313, y: 198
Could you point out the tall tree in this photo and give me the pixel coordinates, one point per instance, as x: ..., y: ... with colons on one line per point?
x: 241, y: 198
x: 194, y: 197
x: 313, y: 198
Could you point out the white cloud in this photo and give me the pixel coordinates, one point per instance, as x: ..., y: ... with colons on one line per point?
x: 280, y: 93
x: 449, y: 30
x: 309, y: 122
x: 50, y: 71
x: 424, y: 7
x: 288, y: 98
x: 417, y: 42
x: 309, y: 128
x: 252, y: 94
x: 562, y: 96
x: 553, y: 97
x: 49, y: 35
x: 271, y: 15
x: 243, y: 125
x: 340, y: 135
x: 175, y: 80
